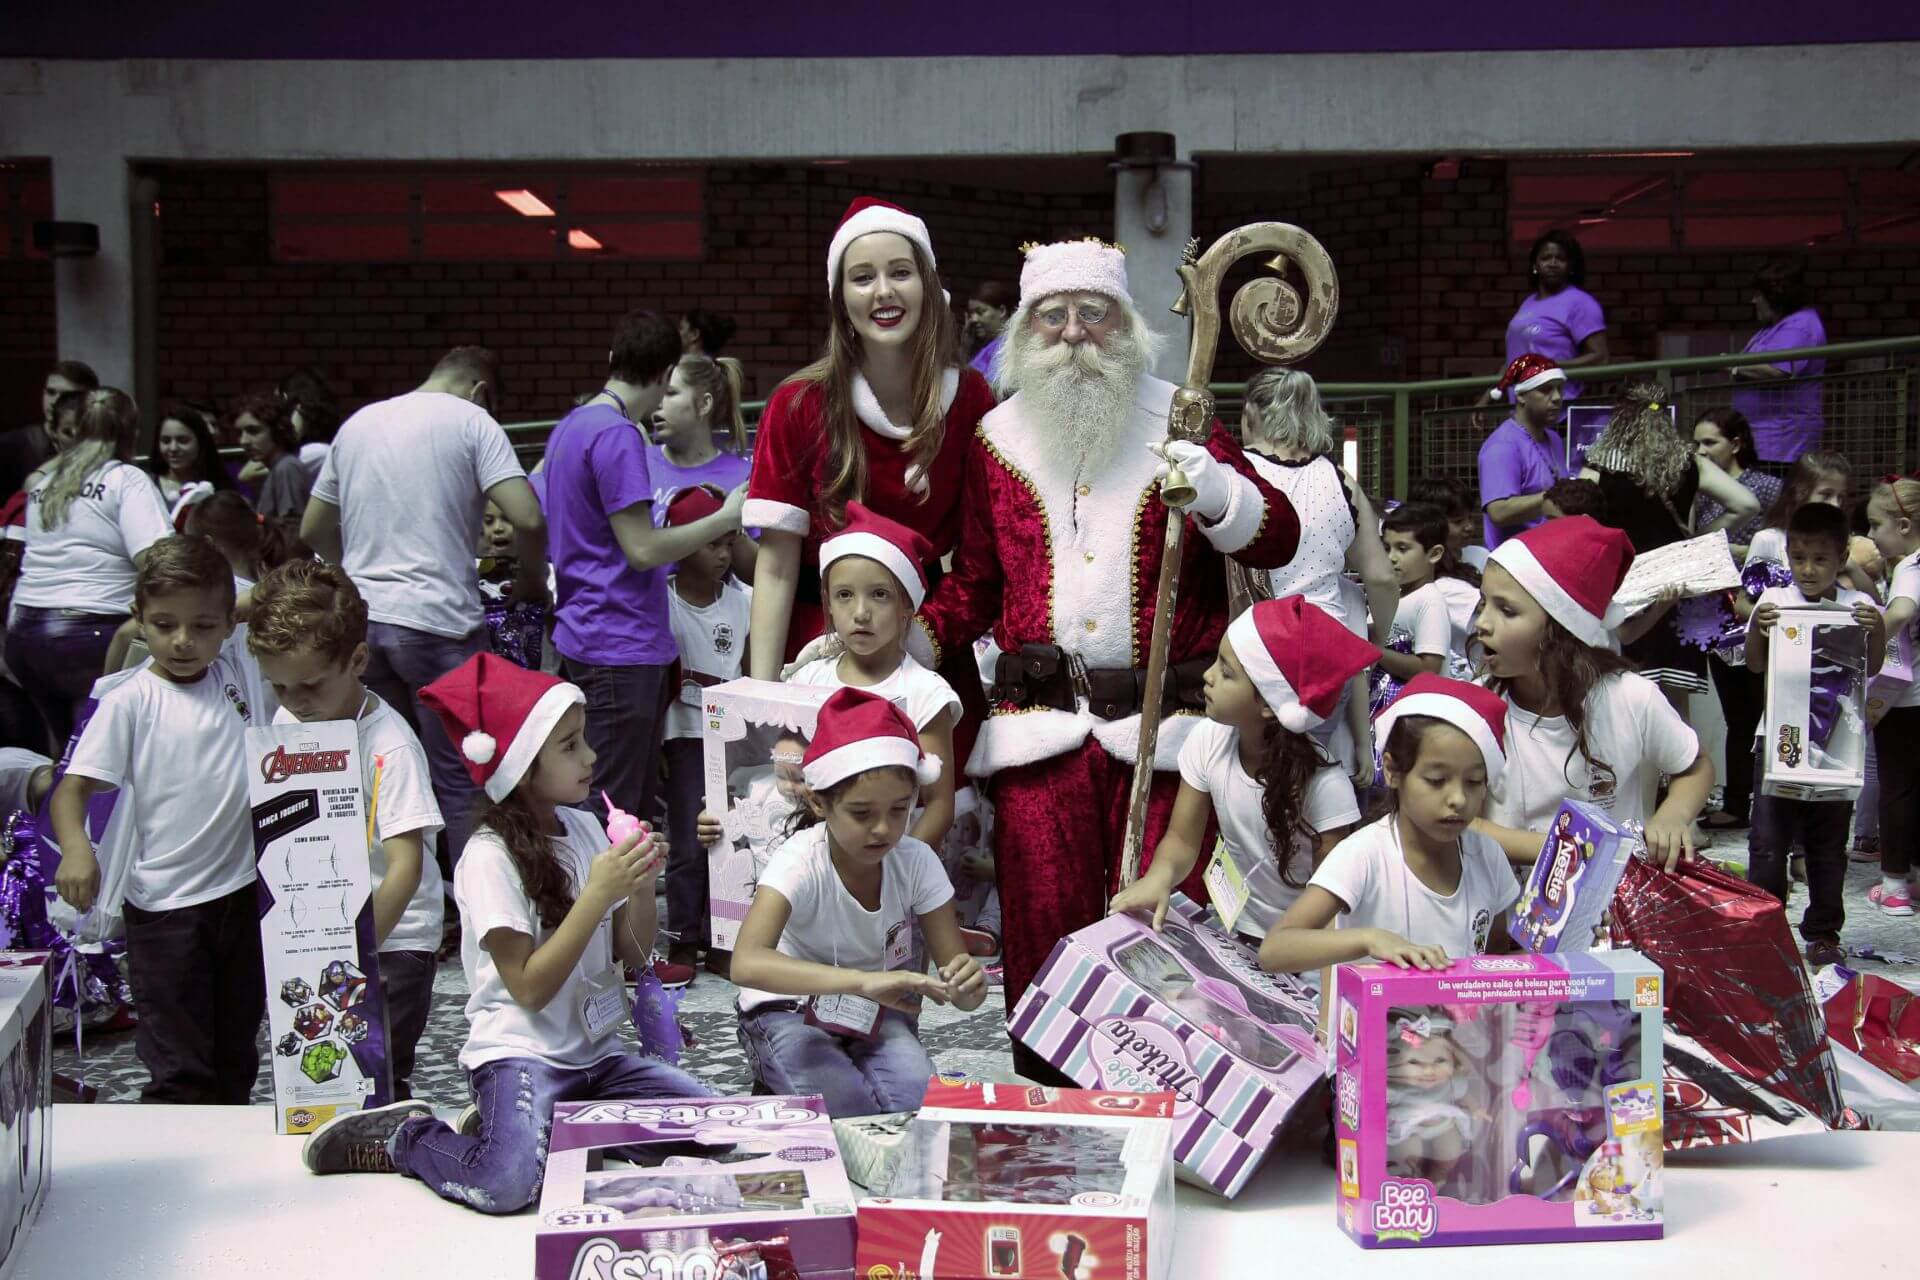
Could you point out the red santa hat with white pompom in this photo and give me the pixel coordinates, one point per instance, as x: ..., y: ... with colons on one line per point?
x: 486, y: 701
x: 863, y: 217
x: 858, y: 731
x: 1572, y: 567
x: 1299, y: 659
x: 900, y: 550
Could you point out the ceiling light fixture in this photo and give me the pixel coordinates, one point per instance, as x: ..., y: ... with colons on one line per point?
x: 524, y: 202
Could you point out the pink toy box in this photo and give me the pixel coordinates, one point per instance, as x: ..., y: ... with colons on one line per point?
x: 1189, y: 1011
x: 695, y: 1189
x: 1501, y: 1100
x: 1019, y: 1182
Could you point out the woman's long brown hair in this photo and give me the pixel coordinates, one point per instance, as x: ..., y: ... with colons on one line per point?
x: 530, y: 846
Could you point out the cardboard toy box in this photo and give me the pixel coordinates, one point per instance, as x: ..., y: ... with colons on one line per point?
x: 1019, y: 1182
x: 1573, y: 880
x: 26, y: 1098
x: 1889, y: 684
x: 694, y: 1189
x: 1501, y: 1100
x: 1815, y: 739
x: 1189, y: 1011
x: 753, y: 733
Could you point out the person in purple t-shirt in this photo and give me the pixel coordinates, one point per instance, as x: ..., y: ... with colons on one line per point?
x: 1786, y: 416
x: 703, y: 397
x: 612, y: 627
x: 987, y: 312
x: 1559, y: 319
x: 1524, y: 456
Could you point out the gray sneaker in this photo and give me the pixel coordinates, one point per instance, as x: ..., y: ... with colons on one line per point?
x: 468, y: 1125
x: 356, y: 1142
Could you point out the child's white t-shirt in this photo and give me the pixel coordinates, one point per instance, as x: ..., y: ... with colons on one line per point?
x: 1463, y: 600
x: 713, y: 642
x: 1210, y: 763
x: 1905, y: 585
x: 1425, y: 620
x: 1368, y: 872
x: 1631, y: 727
x: 827, y: 925
x: 921, y: 693
x: 86, y: 563
x: 405, y: 803
x: 180, y: 751
x: 17, y: 766
x: 489, y: 893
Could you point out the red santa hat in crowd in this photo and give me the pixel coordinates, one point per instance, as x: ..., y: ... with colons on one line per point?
x: 1299, y: 659
x: 1478, y: 712
x: 1572, y: 567
x: 858, y: 731
x: 501, y: 714
x: 1074, y: 266
x: 865, y: 216
x: 900, y: 549
x: 695, y: 502
x: 1527, y: 372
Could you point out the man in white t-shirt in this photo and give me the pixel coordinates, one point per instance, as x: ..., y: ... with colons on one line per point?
x: 399, y: 505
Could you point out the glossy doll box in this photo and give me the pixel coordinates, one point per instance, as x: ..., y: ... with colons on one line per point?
x: 1501, y: 1100
x: 26, y: 1097
x: 1573, y: 880
x: 1019, y: 1182
x: 1187, y: 1011
x: 694, y: 1189
x: 1815, y: 739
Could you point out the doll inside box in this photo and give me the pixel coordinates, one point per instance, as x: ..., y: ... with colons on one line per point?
x: 1495, y: 1100
x: 662, y: 1179
x: 765, y: 787
x: 1177, y: 967
x: 995, y: 1161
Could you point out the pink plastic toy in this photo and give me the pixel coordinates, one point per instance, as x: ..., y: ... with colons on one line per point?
x: 621, y: 825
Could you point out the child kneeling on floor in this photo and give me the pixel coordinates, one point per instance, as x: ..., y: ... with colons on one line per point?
x: 547, y: 911
x: 832, y: 925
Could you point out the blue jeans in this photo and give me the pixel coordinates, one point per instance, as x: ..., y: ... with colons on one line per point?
x: 404, y: 662
x: 57, y: 654
x: 854, y: 1077
x: 625, y: 706
x: 499, y: 1171
x: 1821, y: 827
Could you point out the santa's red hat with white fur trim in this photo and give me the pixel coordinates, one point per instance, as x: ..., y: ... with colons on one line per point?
x: 871, y: 535
x: 501, y: 714
x: 1478, y: 712
x: 865, y: 216
x: 1299, y: 659
x: 858, y: 731
x: 1572, y: 567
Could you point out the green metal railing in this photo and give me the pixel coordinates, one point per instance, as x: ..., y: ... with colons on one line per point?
x: 1434, y: 427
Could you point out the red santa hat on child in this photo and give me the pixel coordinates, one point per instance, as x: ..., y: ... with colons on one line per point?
x: 1527, y: 372
x: 858, y: 731
x: 1478, y: 712
x: 865, y: 216
x: 695, y: 502
x: 1572, y: 567
x: 487, y: 701
x: 872, y: 535
x: 1298, y: 658
x: 1074, y: 266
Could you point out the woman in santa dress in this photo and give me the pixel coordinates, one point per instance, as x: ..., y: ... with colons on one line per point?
x: 885, y: 417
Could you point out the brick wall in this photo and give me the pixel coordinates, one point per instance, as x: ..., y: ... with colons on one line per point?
x: 26, y: 336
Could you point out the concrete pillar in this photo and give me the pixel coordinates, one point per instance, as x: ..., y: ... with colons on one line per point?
x: 93, y: 297
x: 1147, y: 196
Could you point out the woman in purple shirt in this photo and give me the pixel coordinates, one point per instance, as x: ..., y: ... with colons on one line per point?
x: 1559, y: 319
x: 1785, y: 412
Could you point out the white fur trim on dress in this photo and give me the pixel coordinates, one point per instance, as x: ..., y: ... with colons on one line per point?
x: 874, y: 547
x: 1518, y: 559
x: 888, y: 751
x: 1275, y: 689
x: 1008, y: 740
x: 765, y: 513
x: 532, y: 736
x: 865, y: 223
x: 1441, y: 706
x: 1240, y: 524
x: 1074, y: 266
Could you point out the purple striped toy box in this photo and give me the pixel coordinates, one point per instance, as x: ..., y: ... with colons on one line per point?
x: 1500, y: 1100
x: 1187, y: 1011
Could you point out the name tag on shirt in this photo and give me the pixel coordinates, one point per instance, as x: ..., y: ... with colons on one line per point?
x: 899, y: 949
x: 851, y: 1016
x: 1226, y: 885
x: 605, y: 1005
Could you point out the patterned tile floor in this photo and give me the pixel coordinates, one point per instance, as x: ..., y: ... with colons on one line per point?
x: 974, y: 1043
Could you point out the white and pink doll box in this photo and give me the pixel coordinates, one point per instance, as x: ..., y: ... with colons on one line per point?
x: 1020, y: 1182
x: 1501, y: 1100
x: 1815, y: 727
x: 1187, y: 1011
x: 694, y: 1189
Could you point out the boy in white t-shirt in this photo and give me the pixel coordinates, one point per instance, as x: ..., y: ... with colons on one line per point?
x: 1423, y: 637
x: 1816, y: 553
x: 173, y: 737
x: 710, y: 612
x: 309, y: 635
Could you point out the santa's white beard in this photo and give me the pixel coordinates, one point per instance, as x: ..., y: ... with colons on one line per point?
x: 1076, y: 397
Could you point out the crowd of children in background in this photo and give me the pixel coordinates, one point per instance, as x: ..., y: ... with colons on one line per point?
x: 1499, y: 690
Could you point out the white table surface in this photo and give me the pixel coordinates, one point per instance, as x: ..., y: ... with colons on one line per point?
x: 155, y: 1192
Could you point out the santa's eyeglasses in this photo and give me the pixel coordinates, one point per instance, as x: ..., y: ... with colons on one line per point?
x: 1090, y: 310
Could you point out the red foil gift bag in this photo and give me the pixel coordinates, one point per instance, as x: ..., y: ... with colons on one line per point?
x: 1880, y: 1021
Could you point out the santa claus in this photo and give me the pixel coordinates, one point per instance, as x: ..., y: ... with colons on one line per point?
x: 1062, y: 532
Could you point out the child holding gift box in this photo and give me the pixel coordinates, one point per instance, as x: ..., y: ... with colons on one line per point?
x: 1420, y: 885
x: 1255, y: 767
x: 1816, y: 553
x: 832, y: 924
x: 1893, y: 521
x: 548, y: 912
x: 309, y: 635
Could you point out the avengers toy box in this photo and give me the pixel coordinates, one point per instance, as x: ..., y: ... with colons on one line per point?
x: 1573, y: 880
x: 1187, y: 1011
x: 754, y: 732
x: 694, y: 1189
x: 26, y: 1098
x: 1018, y: 1182
x: 1815, y: 740
x: 1501, y: 1100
